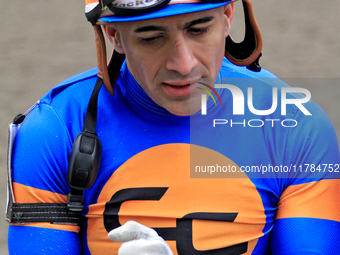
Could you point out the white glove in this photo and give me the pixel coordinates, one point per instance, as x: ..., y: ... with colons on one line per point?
x: 139, y: 240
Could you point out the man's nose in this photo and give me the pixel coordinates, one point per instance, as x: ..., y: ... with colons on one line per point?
x: 181, y: 57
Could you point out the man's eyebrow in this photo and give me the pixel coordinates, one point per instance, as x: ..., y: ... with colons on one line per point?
x: 198, y: 21
x: 186, y: 25
x: 150, y: 28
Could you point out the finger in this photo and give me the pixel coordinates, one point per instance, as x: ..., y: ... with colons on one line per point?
x: 140, y: 246
x: 132, y: 230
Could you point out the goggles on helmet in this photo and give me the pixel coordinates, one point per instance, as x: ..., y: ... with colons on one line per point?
x: 123, y: 7
x: 134, y: 10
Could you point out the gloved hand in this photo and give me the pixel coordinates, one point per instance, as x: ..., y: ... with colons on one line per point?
x: 139, y: 240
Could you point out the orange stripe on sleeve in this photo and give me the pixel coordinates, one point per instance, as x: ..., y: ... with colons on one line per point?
x: 26, y: 194
x: 319, y: 199
x: 65, y: 227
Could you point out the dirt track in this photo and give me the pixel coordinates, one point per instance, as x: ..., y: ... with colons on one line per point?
x: 47, y: 42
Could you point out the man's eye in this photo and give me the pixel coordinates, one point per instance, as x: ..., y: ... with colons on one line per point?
x: 198, y: 31
x: 148, y: 40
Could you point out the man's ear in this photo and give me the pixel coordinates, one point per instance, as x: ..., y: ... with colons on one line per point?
x: 114, y: 37
x: 229, y: 16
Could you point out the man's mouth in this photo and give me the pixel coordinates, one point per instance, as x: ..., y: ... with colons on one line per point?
x: 179, y: 88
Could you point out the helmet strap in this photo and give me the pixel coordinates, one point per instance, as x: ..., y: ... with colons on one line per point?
x: 246, y: 52
x: 108, y: 72
x: 114, y: 66
x: 101, y: 58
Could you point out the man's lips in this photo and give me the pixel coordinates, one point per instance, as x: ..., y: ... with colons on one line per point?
x: 178, y: 88
x: 182, y: 82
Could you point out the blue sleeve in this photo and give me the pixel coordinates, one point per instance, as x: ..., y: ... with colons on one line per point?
x: 40, y: 162
x: 24, y: 240
x: 312, y: 143
x: 40, y: 154
x: 306, y: 236
x: 308, y: 214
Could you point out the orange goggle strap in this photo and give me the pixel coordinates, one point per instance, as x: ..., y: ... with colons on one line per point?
x: 101, y: 58
x: 248, y: 51
x: 245, y: 53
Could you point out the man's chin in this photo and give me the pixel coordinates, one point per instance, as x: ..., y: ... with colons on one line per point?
x: 185, y: 110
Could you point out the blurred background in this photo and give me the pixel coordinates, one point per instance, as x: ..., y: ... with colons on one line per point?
x: 44, y: 42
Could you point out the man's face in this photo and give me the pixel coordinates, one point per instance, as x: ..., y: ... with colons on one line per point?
x: 167, y: 55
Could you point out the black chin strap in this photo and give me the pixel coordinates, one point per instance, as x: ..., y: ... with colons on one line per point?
x: 114, y: 66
